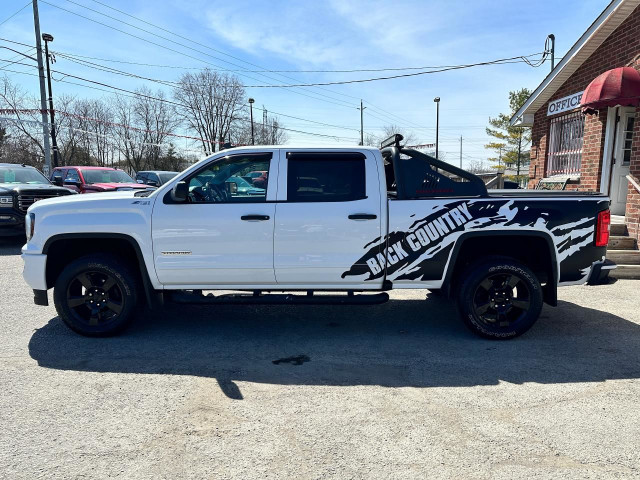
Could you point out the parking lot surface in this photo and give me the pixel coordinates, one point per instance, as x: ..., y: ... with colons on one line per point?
x: 400, y: 390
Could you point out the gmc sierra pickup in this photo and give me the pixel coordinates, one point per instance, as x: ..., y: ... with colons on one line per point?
x: 354, y: 221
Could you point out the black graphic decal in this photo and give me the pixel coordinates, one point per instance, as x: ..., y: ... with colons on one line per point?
x: 421, y: 252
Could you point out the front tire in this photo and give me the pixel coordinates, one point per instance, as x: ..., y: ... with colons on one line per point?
x: 499, y: 298
x: 95, y: 295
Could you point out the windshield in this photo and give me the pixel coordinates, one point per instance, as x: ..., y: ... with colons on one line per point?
x: 165, y: 177
x: 22, y: 175
x: 106, y: 176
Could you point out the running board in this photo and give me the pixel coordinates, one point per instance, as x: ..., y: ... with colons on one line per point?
x: 277, y: 299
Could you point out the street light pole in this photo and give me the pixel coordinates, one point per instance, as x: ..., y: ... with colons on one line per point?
x: 437, y: 100
x: 251, y: 100
x: 43, y: 95
x: 49, y: 38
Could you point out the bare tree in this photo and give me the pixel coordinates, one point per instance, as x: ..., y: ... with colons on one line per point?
x: 374, y: 140
x: 410, y: 138
x: 142, y: 126
x: 211, y: 103
x: 477, y: 166
x: 26, y: 123
x: 265, y: 133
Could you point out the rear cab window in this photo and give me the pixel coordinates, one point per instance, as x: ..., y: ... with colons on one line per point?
x: 325, y: 177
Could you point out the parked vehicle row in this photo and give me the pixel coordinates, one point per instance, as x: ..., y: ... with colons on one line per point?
x: 94, y: 179
x: 347, y: 219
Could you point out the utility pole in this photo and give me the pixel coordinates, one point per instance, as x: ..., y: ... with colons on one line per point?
x: 460, y: 151
x: 265, y: 140
x: 552, y: 37
x: 251, y: 100
x: 43, y: 94
x: 49, y: 38
x: 361, y: 122
x: 437, y: 100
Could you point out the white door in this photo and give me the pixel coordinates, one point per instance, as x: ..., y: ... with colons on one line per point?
x: 622, y: 157
x: 328, y: 213
x: 224, y: 234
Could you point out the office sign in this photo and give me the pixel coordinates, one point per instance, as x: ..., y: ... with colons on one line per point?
x: 564, y: 104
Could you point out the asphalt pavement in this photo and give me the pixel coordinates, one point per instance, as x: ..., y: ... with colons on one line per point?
x: 394, y: 391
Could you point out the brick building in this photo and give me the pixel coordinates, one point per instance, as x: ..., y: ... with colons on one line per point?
x: 595, y: 149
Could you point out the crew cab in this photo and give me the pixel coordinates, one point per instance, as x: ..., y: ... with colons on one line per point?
x: 350, y: 222
x: 20, y: 187
x: 94, y: 179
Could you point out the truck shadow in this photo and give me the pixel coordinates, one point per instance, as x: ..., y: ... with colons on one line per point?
x: 11, y: 245
x: 401, y: 343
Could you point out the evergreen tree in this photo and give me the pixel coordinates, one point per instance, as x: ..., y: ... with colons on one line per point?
x: 511, y: 144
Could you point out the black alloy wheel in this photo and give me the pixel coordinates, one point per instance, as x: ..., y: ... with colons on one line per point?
x: 96, y: 295
x: 502, y: 299
x: 499, y: 298
x: 94, y: 298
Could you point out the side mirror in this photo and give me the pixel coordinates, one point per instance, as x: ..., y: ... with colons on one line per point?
x: 180, y: 192
x: 232, y: 188
x: 139, y: 181
x: 152, y: 183
x: 57, y: 180
x: 74, y: 183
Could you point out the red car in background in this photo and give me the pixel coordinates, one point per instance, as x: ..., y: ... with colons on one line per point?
x: 258, y: 178
x: 94, y: 179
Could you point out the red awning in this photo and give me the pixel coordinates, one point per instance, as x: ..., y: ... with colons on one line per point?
x: 620, y: 86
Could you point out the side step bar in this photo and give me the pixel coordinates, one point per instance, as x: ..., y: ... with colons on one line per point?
x: 277, y: 299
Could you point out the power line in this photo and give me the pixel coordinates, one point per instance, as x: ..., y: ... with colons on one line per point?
x: 178, y: 85
x: 11, y: 16
x: 157, y: 65
x: 134, y: 94
x: 405, y: 75
x: 177, y: 43
x: 208, y: 47
x: 80, y: 58
x: 216, y: 50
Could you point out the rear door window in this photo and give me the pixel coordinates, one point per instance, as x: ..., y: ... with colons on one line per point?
x: 325, y: 177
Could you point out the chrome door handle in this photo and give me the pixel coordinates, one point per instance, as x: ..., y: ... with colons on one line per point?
x: 250, y: 218
x: 362, y: 216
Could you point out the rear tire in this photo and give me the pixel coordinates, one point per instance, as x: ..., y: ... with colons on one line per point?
x: 499, y: 298
x: 96, y: 295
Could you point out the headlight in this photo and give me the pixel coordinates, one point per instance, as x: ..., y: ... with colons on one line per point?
x: 6, y: 202
x: 29, y: 225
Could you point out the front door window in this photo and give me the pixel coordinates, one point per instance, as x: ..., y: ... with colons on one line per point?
x: 233, y: 179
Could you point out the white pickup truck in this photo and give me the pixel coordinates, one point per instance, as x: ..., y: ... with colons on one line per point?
x: 328, y: 225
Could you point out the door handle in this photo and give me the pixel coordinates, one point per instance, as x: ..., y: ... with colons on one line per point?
x: 362, y: 216
x: 250, y: 218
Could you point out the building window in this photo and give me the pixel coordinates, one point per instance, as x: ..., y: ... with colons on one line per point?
x: 565, y: 144
x: 628, y: 140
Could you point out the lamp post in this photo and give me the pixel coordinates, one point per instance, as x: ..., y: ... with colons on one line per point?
x: 437, y: 100
x: 49, y: 38
x: 251, y: 100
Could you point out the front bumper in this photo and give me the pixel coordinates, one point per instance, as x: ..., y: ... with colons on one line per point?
x: 11, y: 224
x: 34, y: 272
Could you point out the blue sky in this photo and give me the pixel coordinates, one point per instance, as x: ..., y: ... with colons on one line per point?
x: 329, y: 35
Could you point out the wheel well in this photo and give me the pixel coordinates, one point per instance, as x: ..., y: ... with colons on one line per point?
x: 64, y: 250
x: 532, y: 250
